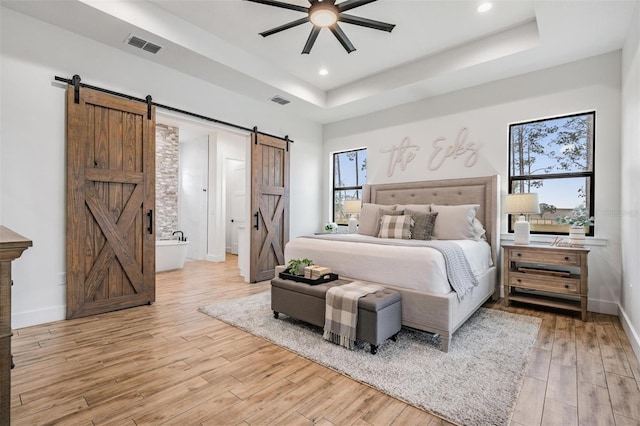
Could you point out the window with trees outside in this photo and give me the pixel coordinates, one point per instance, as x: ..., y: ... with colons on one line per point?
x: 554, y: 158
x: 349, y: 175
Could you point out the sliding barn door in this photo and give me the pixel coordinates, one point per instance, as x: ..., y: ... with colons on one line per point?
x: 110, y: 203
x: 269, y: 205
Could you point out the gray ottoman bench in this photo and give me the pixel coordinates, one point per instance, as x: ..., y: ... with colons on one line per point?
x: 379, y: 313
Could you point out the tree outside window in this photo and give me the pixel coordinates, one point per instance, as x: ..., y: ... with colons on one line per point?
x: 349, y: 175
x: 554, y: 157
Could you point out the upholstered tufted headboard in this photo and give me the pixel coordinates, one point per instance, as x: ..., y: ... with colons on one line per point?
x: 479, y: 190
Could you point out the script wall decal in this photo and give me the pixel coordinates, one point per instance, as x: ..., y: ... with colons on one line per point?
x: 442, y: 150
x: 403, y: 155
x: 459, y: 148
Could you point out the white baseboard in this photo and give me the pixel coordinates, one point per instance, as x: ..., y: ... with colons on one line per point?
x: 632, y: 333
x: 215, y: 258
x: 41, y: 316
x: 602, y: 307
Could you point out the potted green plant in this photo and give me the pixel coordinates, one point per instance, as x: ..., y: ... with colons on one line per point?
x: 296, y: 266
x: 577, y: 221
x: 330, y: 227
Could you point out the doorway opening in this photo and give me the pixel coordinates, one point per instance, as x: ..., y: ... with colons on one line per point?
x: 212, y: 183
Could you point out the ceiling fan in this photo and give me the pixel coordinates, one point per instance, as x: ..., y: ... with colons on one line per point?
x: 326, y: 14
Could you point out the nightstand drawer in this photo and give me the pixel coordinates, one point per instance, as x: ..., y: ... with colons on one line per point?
x: 541, y: 256
x: 545, y: 283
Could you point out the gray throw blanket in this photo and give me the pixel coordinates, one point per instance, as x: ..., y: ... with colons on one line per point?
x: 341, y: 314
x: 459, y: 271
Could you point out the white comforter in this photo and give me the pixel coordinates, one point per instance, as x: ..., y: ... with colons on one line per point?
x: 403, y: 263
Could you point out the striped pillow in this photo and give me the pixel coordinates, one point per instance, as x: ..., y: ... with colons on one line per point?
x: 395, y: 227
x: 423, y: 224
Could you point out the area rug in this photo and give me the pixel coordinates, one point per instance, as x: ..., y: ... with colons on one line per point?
x: 475, y: 383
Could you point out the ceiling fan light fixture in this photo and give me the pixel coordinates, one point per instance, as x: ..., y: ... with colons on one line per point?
x: 485, y: 7
x: 323, y: 15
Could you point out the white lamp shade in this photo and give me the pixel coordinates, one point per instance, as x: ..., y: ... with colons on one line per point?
x: 521, y: 204
x: 351, y: 207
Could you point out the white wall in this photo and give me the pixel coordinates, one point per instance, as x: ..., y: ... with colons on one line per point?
x: 230, y: 165
x: 192, y: 195
x: 222, y: 146
x: 630, y: 176
x: 32, y: 166
x: 486, y: 112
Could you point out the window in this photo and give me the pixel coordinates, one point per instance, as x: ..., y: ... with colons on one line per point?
x: 554, y: 157
x: 349, y: 174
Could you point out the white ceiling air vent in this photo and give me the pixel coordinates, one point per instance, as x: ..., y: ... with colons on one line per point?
x: 142, y: 44
x: 279, y: 100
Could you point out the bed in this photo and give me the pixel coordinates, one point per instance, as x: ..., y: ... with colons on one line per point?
x: 427, y: 303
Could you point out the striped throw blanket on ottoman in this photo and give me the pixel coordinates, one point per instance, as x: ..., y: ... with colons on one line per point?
x: 341, y: 314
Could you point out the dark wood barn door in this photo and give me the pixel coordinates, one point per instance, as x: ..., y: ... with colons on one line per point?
x: 110, y: 204
x: 269, y: 205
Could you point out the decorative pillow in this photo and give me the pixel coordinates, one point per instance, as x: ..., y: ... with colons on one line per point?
x: 395, y: 227
x: 383, y: 212
x: 370, y: 218
x: 455, y: 222
x: 478, y: 230
x: 423, y: 224
x: 424, y: 208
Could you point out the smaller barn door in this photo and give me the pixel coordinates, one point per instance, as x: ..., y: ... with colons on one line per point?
x: 269, y: 205
x: 110, y: 203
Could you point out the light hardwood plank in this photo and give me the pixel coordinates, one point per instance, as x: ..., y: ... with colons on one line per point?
x: 539, y: 364
x: 557, y: 413
x: 614, y: 357
x: 564, y: 344
x: 530, y: 403
x: 562, y: 385
x: 625, y: 396
x: 412, y: 416
x: 594, y: 407
x: 625, y: 421
x: 170, y: 364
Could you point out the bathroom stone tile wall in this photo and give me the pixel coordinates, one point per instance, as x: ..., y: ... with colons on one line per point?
x: 167, y: 161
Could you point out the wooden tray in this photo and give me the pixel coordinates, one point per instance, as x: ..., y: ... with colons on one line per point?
x: 323, y: 279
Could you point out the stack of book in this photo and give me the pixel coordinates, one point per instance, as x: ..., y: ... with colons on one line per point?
x: 314, y: 272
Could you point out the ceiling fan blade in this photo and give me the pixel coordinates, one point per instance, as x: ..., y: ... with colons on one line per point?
x: 313, y: 35
x: 352, y: 4
x: 285, y: 26
x: 364, y: 22
x: 282, y: 5
x: 342, y: 38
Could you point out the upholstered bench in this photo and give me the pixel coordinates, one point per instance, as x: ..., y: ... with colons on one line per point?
x: 379, y: 313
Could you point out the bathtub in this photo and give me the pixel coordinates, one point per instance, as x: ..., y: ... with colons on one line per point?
x: 170, y: 254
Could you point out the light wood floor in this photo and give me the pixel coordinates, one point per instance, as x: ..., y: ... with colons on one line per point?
x: 170, y: 364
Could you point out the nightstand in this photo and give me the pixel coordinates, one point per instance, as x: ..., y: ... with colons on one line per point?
x: 561, y: 272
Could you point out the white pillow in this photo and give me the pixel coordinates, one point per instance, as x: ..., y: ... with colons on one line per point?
x: 478, y: 230
x: 423, y: 208
x: 370, y: 218
x: 455, y: 222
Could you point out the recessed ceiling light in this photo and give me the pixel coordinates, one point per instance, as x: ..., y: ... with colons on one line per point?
x: 323, y: 71
x: 484, y: 7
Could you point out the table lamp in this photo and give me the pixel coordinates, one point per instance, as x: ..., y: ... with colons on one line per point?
x: 521, y: 204
x: 352, y: 208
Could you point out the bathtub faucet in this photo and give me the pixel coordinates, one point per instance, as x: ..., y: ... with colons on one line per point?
x: 182, y: 237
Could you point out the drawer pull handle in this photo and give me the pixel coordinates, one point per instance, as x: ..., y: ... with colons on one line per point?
x: 566, y: 258
x: 519, y: 280
x: 518, y: 254
x: 566, y: 286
